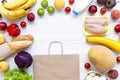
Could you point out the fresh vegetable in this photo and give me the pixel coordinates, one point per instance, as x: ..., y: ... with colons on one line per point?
x: 111, y: 43
x: 4, y: 66
x: 59, y: 4
x: 40, y: 12
x: 92, y: 9
x: 2, y: 39
x: 23, y: 59
x: 87, y: 65
x: 44, y: 3
x: 50, y: 9
x: 67, y: 9
x: 71, y: 1
x: 110, y: 4
x: 101, y: 1
x: 103, y: 10
x: 113, y: 74
x: 13, y: 30
x: 23, y: 24
x: 102, y: 57
x: 3, y: 25
x: 117, y: 28
x: 16, y: 74
x: 31, y: 17
x: 118, y: 59
x: 115, y: 14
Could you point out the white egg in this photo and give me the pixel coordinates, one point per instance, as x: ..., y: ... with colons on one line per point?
x: 96, y: 78
x: 102, y: 78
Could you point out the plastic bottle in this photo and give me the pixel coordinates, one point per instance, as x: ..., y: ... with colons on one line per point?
x: 80, y: 6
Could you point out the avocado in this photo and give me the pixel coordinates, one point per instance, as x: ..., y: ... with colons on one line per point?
x: 110, y: 4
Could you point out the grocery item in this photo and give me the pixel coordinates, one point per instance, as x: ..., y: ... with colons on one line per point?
x: 31, y: 17
x: 93, y: 75
x: 117, y: 28
x: 2, y: 39
x: 113, y: 74
x: 115, y: 14
x: 3, y: 25
x: 23, y: 24
x: 4, y: 66
x: 111, y: 43
x: 67, y: 9
x: 40, y: 11
x: 110, y: 4
x: 14, y: 46
x: 16, y: 74
x: 44, y: 3
x: 79, y: 7
x: 92, y: 9
x: 103, y: 10
x: 118, y: 59
x: 102, y: 57
x: 101, y: 1
x: 23, y: 59
x: 50, y: 9
x: 59, y: 4
x: 87, y: 65
x: 71, y: 1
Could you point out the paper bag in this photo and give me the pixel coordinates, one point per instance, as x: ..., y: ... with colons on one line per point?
x: 56, y: 67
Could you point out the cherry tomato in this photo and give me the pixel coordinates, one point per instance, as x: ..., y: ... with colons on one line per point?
x: 71, y: 1
x: 117, y: 28
x: 87, y: 65
x: 103, y: 10
x: 118, y: 59
x: 23, y: 24
x: 67, y: 9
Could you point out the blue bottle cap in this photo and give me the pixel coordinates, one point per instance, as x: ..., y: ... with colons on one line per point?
x: 75, y: 12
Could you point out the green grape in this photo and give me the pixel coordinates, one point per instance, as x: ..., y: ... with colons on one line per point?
x: 50, y: 9
x: 40, y: 11
x: 44, y: 3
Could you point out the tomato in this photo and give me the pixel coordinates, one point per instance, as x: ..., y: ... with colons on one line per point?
x: 103, y: 10
x: 87, y: 65
x: 23, y: 24
x: 67, y: 9
x: 117, y: 28
x: 71, y: 1
x: 13, y: 30
x: 118, y: 59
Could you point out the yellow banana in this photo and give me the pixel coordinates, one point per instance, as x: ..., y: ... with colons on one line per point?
x: 14, y: 4
x: 113, y: 44
x: 28, y: 4
x: 13, y: 14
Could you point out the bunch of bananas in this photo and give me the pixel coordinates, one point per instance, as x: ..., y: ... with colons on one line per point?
x: 16, y: 9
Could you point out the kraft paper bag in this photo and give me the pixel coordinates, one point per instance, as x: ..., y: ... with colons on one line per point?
x: 56, y: 67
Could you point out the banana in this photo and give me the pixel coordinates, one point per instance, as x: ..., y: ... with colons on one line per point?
x: 113, y: 44
x: 14, y: 4
x: 13, y: 14
x: 28, y: 4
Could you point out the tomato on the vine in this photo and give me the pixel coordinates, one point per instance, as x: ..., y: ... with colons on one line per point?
x: 103, y: 10
x: 71, y: 1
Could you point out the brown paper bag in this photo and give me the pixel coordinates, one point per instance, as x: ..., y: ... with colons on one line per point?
x: 56, y: 67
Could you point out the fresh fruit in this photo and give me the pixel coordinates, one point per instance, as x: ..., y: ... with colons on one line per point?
x: 113, y: 74
x: 4, y: 66
x: 3, y: 25
x: 102, y: 57
x: 23, y: 59
x: 2, y: 39
x: 31, y: 17
x: 44, y: 3
x: 13, y: 30
x: 110, y: 4
x: 87, y: 65
x: 23, y: 24
x: 13, y: 4
x: 118, y: 59
x: 92, y: 9
x: 50, y: 9
x: 28, y: 4
x: 101, y: 1
x: 67, y: 9
x: 40, y: 12
x: 103, y: 10
x: 71, y: 1
x: 111, y: 43
x: 117, y: 28
x: 14, y: 14
x: 59, y: 4
x: 115, y: 14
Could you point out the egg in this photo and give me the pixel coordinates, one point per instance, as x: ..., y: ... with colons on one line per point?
x: 59, y: 4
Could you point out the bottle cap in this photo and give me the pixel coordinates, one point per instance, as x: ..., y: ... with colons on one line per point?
x: 75, y: 12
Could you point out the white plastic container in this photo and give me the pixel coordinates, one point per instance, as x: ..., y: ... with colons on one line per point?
x: 80, y: 6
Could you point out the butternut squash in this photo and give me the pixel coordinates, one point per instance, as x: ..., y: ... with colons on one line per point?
x: 102, y: 57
